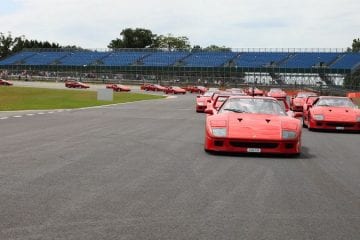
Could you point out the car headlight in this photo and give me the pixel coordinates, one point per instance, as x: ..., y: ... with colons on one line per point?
x: 219, y: 132
x: 288, y: 134
x: 201, y: 103
x: 319, y: 117
x: 358, y: 118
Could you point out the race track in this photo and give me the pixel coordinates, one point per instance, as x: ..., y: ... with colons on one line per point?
x: 138, y: 171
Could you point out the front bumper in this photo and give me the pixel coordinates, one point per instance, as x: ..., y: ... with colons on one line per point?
x: 252, y: 146
x: 335, y: 125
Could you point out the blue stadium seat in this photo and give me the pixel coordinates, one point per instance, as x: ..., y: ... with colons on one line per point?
x: 301, y: 60
x: 17, y: 58
x: 123, y: 58
x: 82, y: 58
x: 45, y: 58
x: 259, y: 59
x: 208, y: 59
x: 348, y: 61
x: 309, y: 60
x: 163, y: 58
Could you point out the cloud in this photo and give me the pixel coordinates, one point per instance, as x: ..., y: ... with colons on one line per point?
x: 240, y: 23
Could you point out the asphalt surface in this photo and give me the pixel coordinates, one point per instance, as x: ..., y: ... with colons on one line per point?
x: 138, y: 171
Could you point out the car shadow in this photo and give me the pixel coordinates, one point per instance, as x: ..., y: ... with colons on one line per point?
x: 327, y: 131
x: 305, y: 154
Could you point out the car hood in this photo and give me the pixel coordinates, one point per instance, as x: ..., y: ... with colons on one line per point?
x: 258, y: 126
x: 336, y: 113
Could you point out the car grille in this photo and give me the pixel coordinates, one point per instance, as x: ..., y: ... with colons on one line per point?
x: 340, y: 124
x: 253, y: 144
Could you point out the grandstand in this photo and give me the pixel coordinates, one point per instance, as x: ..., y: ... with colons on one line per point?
x: 291, y: 66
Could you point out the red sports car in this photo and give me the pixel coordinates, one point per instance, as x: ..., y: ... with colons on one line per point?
x: 5, y: 82
x: 145, y: 86
x: 175, y: 90
x: 254, y: 92
x: 75, y: 84
x: 157, y: 88
x: 252, y: 125
x: 237, y: 91
x: 297, y: 102
x: 198, y: 89
x: 276, y: 93
x: 201, y: 101
x: 333, y: 113
x: 118, y: 88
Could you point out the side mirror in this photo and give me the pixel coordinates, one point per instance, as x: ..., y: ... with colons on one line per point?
x: 209, y: 111
x: 198, y: 96
x: 209, y: 101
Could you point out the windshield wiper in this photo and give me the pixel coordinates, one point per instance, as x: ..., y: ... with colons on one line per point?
x: 234, y: 110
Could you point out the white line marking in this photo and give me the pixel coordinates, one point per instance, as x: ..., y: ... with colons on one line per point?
x: 50, y: 112
x: 3, y: 118
x: 30, y: 114
x: 17, y: 116
x: 40, y: 113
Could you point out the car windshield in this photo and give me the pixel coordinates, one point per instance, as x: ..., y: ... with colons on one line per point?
x: 222, y: 99
x: 275, y: 90
x: 304, y: 95
x: 253, y: 105
x: 335, y: 102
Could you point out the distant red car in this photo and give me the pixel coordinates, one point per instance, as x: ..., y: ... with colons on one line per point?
x: 276, y: 93
x: 198, y: 89
x: 5, y: 82
x: 155, y: 87
x: 175, y: 90
x: 118, y: 88
x: 297, y: 102
x: 146, y: 86
x: 247, y: 124
x: 237, y: 91
x: 254, y: 92
x: 201, y: 101
x: 75, y: 84
x: 333, y: 113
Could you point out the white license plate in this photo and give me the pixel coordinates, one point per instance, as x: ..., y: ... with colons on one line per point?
x: 340, y: 128
x: 254, y: 150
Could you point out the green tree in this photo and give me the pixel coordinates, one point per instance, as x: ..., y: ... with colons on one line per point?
x: 10, y: 45
x: 356, y: 45
x: 133, y: 38
x: 6, y: 44
x: 196, y: 48
x: 217, y: 48
x: 171, y: 42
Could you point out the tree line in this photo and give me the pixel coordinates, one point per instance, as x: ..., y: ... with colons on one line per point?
x: 129, y: 38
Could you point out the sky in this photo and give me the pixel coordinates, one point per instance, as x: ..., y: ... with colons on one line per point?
x: 231, y: 23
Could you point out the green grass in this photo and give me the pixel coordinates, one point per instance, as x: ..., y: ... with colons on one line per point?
x: 23, y: 98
